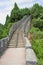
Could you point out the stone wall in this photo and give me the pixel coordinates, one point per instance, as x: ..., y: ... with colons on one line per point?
x: 30, y: 54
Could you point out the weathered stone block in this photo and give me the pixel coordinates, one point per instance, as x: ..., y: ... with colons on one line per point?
x: 31, y: 57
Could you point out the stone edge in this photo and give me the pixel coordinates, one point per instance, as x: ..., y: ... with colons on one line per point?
x: 30, y: 47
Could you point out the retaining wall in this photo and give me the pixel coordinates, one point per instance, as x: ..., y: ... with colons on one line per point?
x: 30, y: 54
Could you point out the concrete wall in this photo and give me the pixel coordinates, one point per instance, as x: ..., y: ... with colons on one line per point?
x: 30, y: 54
x: 27, y: 26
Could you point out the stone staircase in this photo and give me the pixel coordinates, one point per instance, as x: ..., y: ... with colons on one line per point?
x: 21, y: 39
x: 17, y: 40
x: 13, y: 41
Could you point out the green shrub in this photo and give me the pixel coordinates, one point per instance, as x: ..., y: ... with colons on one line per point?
x: 34, y: 30
x: 4, y: 32
x: 37, y: 46
x: 38, y: 23
x: 36, y: 33
x: 16, y: 15
x: 37, y: 43
x: 41, y: 15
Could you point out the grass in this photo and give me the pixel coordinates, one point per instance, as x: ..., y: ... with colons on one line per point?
x: 37, y: 43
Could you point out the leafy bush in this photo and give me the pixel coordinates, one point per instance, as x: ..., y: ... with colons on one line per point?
x: 25, y: 11
x: 36, y: 33
x: 38, y: 23
x: 36, y: 10
x: 41, y: 15
x: 16, y: 15
x: 34, y: 30
x: 4, y: 32
x: 37, y: 45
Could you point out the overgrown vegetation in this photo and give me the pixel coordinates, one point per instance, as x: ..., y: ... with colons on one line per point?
x: 16, y: 14
x: 37, y: 31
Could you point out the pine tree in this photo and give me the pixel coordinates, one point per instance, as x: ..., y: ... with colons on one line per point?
x: 16, y: 7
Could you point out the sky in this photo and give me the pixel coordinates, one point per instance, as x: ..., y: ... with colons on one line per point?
x: 7, y: 5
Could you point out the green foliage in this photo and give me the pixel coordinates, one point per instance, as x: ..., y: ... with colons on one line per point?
x: 1, y: 26
x: 7, y: 21
x: 25, y: 11
x: 38, y: 23
x: 37, y: 31
x: 16, y: 7
x: 16, y: 15
x: 34, y: 30
x: 36, y: 10
x: 1, y: 30
x: 37, y: 16
x: 41, y: 16
x: 37, y: 43
x: 4, y: 32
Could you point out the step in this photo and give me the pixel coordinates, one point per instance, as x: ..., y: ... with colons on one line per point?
x: 30, y: 57
x: 20, y: 46
x: 12, y: 41
x: 11, y: 46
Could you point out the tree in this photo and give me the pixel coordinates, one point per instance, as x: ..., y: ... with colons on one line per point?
x: 7, y: 20
x: 38, y: 23
x: 14, y: 13
x: 35, y: 11
x: 16, y: 7
x: 1, y: 30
